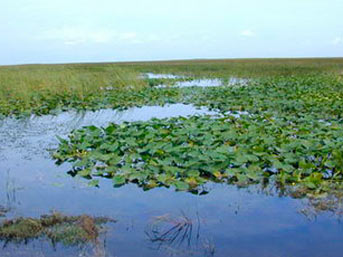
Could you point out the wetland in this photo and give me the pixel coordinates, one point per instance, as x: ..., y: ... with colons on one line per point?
x: 201, y: 158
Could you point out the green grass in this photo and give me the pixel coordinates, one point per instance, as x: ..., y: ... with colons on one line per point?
x: 249, y: 68
x: 41, y: 89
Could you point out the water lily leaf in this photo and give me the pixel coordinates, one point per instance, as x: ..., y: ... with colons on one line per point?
x: 180, y: 185
x: 84, y: 173
x: 94, y: 183
x: 118, y: 180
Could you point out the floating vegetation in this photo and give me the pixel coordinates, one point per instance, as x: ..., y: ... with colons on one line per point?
x: 57, y: 228
x: 186, y: 153
x: 293, y: 136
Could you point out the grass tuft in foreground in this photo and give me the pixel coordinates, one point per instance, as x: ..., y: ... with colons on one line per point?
x: 58, y: 228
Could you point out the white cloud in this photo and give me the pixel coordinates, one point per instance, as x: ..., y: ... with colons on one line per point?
x: 337, y: 41
x: 76, y: 36
x: 247, y: 33
x: 128, y: 36
x: 79, y: 35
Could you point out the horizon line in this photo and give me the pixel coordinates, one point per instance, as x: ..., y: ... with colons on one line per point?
x: 173, y: 60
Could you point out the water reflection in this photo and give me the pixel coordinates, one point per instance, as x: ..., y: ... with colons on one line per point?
x: 160, y: 222
x: 150, y: 75
x: 189, y: 82
x: 83, y: 233
x: 32, y: 136
x: 212, y: 82
x: 179, y: 235
x: 248, y: 221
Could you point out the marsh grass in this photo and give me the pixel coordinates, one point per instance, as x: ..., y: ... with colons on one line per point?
x: 40, y: 88
x: 245, y: 68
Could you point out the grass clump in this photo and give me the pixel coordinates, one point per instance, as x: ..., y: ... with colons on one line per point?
x: 58, y: 228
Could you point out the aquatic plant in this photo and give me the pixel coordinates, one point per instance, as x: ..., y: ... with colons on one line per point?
x: 178, y: 235
x: 165, y: 230
x: 291, y: 132
x: 57, y: 228
x: 186, y: 153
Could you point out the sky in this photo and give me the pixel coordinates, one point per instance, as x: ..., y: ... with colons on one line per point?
x: 63, y: 31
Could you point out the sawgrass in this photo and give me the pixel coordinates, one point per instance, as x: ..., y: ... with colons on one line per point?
x: 250, y: 68
x: 41, y: 89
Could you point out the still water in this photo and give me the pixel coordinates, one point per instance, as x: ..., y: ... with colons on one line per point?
x: 227, y: 221
x: 206, y: 82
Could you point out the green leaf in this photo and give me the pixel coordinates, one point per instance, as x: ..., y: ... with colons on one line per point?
x: 84, y: 173
x: 119, y: 180
x: 94, y: 183
x: 180, y: 185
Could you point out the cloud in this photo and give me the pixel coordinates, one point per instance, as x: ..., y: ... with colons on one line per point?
x: 337, y: 41
x: 128, y: 36
x: 247, y: 33
x: 78, y: 35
